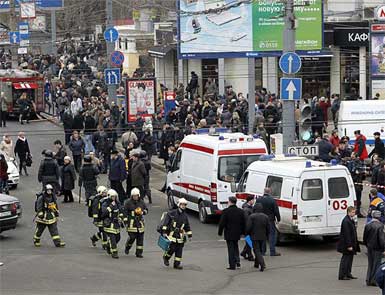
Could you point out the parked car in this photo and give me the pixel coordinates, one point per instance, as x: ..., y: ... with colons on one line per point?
x: 10, y: 212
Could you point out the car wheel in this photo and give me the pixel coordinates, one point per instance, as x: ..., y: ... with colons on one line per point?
x: 170, y: 200
x: 203, y: 217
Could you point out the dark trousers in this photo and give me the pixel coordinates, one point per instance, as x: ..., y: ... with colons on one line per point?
x: 139, y: 238
x: 272, y: 240
x: 374, y: 261
x: 177, y: 249
x: 3, y: 119
x: 233, y: 253
x: 113, y: 240
x: 117, y: 185
x: 345, y: 265
x: 257, y: 247
x: 147, y: 188
x: 40, y: 227
x: 77, y: 162
x: 68, y: 197
x: 67, y: 133
x: 22, y: 164
x: 100, y: 235
x: 246, y: 252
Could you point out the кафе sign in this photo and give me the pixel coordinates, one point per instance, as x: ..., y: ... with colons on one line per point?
x: 351, y: 37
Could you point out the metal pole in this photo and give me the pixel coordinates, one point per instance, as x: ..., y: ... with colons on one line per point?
x: 110, y: 49
x: 12, y: 25
x: 251, y: 96
x: 53, y: 32
x: 288, y: 106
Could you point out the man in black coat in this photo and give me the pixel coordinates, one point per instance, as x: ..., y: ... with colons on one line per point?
x: 348, y: 245
x: 233, y: 223
x: 270, y: 208
x: 374, y: 240
x: 49, y: 172
x: 379, y: 148
x: 258, y: 227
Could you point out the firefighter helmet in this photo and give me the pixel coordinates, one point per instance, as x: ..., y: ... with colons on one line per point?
x: 102, y: 189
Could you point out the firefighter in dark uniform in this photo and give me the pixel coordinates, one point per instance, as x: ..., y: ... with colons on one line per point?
x: 95, y: 205
x: 112, y: 219
x: 88, y: 177
x: 175, y: 228
x: 134, y: 210
x: 46, y: 216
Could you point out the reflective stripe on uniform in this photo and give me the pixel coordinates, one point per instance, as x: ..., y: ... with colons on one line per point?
x: 139, y: 247
x: 178, y: 259
x: 55, y: 237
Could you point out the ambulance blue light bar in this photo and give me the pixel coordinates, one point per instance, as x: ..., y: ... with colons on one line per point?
x: 207, y: 130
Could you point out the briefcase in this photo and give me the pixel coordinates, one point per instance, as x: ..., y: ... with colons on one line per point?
x: 163, y: 243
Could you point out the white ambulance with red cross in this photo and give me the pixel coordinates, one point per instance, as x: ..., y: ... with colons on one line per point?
x: 312, y: 196
x: 205, y: 166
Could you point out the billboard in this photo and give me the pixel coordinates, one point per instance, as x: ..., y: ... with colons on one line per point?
x: 228, y: 28
x: 141, y: 94
x: 378, y: 55
x: 42, y: 4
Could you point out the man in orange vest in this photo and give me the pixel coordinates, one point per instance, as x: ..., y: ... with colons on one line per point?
x: 360, y: 146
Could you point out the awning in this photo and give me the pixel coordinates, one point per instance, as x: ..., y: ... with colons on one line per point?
x: 161, y: 51
x: 25, y: 86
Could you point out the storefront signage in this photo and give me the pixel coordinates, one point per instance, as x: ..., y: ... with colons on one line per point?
x: 351, y: 38
x: 380, y: 13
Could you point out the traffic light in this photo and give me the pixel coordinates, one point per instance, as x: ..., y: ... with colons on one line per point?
x: 305, y: 131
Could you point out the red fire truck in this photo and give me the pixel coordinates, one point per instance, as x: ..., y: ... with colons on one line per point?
x: 16, y: 82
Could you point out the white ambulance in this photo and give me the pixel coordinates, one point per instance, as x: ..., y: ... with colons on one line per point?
x: 205, y: 166
x: 312, y: 196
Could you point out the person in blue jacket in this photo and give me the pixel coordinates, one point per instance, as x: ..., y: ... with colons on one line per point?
x: 118, y: 174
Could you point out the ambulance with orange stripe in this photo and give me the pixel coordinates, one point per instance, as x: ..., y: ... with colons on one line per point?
x: 205, y: 166
x: 312, y: 196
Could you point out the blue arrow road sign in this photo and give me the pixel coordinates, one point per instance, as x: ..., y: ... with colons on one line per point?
x: 111, y: 35
x: 117, y: 58
x: 112, y: 76
x: 291, y: 88
x: 14, y: 37
x: 290, y: 63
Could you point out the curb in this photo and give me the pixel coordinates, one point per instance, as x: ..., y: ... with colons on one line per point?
x: 50, y: 119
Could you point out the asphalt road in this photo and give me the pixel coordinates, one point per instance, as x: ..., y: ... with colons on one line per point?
x: 305, y: 267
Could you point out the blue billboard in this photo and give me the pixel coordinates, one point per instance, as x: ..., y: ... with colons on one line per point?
x: 42, y: 4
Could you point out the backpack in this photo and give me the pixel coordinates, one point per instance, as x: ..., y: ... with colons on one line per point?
x: 161, y: 222
x: 38, y: 195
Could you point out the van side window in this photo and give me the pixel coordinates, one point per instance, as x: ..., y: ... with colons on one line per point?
x: 176, y: 162
x: 338, y: 188
x: 312, y: 190
x: 275, y: 183
x: 242, y: 183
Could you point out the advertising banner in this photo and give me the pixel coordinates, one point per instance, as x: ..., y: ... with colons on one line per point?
x: 378, y: 54
x: 228, y: 28
x: 141, y: 94
x: 42, y: 4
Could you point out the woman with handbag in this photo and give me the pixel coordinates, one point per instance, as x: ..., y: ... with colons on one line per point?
x: 23, y: 152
